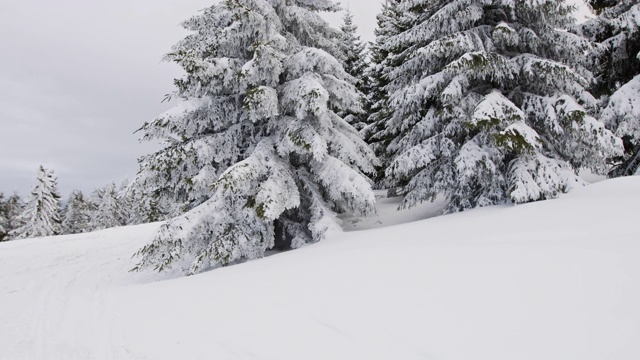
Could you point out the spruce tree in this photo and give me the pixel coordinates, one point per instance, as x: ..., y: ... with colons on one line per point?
x: 490, y: 104
x: 4, y: 219
x: 41, y: 216
x: 257, y: 140
x: 354, y: 61
x: 616, y: 63
x: 77, y: 216
x: 390, y: 22
x: 108, y: 211
x: 14, y: 208
x: 126, y: 202
x: 149, y: 207
x: 616, y: 31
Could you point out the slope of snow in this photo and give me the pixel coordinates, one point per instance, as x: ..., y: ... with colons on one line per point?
x: 549, y: 280
x: 388, y: 214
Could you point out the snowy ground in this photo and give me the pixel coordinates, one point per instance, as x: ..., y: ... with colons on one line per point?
x: 552, y: 280
x: 388, y: 214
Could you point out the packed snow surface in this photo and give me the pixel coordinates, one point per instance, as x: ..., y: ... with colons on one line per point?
x: 550, y: 280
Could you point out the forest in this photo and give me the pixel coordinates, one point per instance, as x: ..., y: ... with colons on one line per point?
x: 283, y: 124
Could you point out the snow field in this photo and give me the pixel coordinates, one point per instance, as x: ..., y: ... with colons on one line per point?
x: 548, y: 280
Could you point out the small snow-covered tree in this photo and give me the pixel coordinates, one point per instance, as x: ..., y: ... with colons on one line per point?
x: 108, y: 211
x: 4, y: 219
x: 77, y: 216
x: 257, y: 140
x: 14, y: 207
x: 41, y: 216
x: 354, y: 61
x: 125, y: 196
x: 490, y: 104
x: 616, y: 63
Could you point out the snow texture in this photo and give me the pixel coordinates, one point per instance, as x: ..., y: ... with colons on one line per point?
x: 623, y: 110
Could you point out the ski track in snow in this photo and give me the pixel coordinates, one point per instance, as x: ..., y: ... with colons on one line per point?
x: 64, y: 308
x: 550, y: 280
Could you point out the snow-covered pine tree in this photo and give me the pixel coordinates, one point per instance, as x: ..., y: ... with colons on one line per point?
x: 616, y: 63
x: 77, y: 216
x: 390, y: 22
x: 616, y: 30
x: 148, y: 208
x: 41, y: 216
x: 93, y: 200
x: 14, y: 208
x: 490, y: 104
x: 108, y: 212
x: 127, y: 202
x: 354, y: 61
x: 4, y: 218
x: 257, y: 136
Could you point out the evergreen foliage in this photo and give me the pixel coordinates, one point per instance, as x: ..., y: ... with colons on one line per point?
x: 616, y: 62
x: 390, y: 23
x: 148, y: 208
x: 126, y: 200
x: 14, y: 208
x: 41, y: 216
x: 256, y: 148
x: 490, y: 104
x: 4, y: 219
x: 77, y: 216
x: 616, y: 32
x: 108, y: 211
x: 622, y: 114
x: 354, y: 61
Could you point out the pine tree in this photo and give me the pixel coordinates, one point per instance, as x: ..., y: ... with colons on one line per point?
x: 616, y: 32
x: 390, y: 23
x: 616, y: 63
x: 490, y: 104
x: 4, y: 219
x: 14, y: 208
x: 257, y: 136
x: 354, y: 61
x: 150, y: 208
x: 41, y: 216
x: 77, y: 215
x: 126, y: 202
x: 108, y: 212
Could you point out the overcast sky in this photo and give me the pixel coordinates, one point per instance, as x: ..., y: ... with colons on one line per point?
x: 78, y: 77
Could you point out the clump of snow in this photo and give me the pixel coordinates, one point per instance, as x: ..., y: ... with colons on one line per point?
x: 623, y: 110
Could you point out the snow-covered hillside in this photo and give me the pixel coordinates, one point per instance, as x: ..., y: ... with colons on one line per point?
x: 550, y: 280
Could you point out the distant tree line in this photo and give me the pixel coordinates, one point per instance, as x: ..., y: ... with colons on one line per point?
x: 43, y: 213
